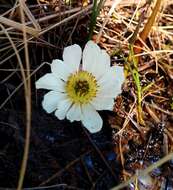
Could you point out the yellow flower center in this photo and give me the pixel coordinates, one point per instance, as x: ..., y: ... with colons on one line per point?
x: 81, y: 87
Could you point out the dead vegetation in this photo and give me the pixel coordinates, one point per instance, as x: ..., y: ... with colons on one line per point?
x: 32, y: 34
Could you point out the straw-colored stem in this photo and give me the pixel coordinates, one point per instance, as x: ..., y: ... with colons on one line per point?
x: 145, y: 171
x: 144, y: 34
x: 28, y: 104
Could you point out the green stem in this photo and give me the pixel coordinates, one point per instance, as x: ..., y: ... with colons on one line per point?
x: 133, y: 66
x: 94, y: 15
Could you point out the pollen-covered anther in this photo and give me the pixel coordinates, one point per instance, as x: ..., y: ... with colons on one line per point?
x: 81, y: 87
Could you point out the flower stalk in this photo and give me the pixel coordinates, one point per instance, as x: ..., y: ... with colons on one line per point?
x: 133, y: 67
x: 134, y: 49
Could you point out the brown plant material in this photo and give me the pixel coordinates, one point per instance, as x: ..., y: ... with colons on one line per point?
x: 147, y: 28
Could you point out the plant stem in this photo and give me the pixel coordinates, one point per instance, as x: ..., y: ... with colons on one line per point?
x: 144, y: 34
x: 135, y: 50
x: 145, y: 171
x: 133, y: 66
x: 28, y: 103
x: 94, y: 15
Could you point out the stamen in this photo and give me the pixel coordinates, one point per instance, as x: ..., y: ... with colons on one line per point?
x: 81, y: 87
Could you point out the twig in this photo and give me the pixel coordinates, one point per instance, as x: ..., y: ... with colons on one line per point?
x: 27, y: 102
x: 144, y: 34
x: 115, y: 3
x: 145, y: 171
x: 100, y: 154
x: 64, y: 169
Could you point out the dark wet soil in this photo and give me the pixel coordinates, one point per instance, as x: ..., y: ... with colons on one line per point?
x: 63, y: 155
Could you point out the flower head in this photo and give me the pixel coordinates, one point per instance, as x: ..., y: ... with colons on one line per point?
x: 78, y: 90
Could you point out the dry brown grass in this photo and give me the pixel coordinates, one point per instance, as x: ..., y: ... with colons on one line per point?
x: 23, y: 25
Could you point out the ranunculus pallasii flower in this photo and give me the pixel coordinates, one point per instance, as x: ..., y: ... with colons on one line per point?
x: 78, y: 90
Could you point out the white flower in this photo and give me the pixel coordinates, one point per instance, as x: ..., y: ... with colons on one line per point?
x: 77, y: 91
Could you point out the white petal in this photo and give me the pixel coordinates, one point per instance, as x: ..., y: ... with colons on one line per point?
x: 60, y: 70
x: 104, y: 63
x: 101, y: 103
x: 95, y: 60
x: 120, y: 74
x: 74, y: 113
x: 91, y: 119
x: 50, y: 82
x: 91, y: 54
x: 110, y: 91
x: 72, y: 57
x: 108, y: 76
x: 51, y: 100
x: 110, y: 84
x: 63, y: 108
